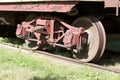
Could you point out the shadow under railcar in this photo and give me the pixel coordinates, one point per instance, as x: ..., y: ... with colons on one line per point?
x: 7, y: 31
x: 111, y: 57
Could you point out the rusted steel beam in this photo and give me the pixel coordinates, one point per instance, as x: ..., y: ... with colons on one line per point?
x: 111, y: 3
x: 11, y: 1
x: 39, y: 7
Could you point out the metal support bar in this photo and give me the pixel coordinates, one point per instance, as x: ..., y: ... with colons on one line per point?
x: 60, y: 45
x: 4, y: 21
x: 117, y: 8
x: 52, y: 30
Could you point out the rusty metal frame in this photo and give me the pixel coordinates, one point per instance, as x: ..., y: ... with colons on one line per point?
x: 39, y: 6
x: 113, y: 4
x: 49, y: 25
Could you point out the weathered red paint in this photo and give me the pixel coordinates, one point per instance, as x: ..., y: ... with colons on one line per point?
x: 73, y: 37
x: 21, y: 31
x: 39, y: 7
x: 112, y: 3
x: 53, y: 30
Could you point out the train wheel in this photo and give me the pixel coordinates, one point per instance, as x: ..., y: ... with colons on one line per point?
x: 96, y: 39
x: 32, y: 44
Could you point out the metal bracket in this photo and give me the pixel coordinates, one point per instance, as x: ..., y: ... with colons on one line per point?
x: 117, y: 8
x: 3, y: 21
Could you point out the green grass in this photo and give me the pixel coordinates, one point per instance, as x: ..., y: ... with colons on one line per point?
x: 14, y: 65
x: 11, y: 41
x: 17, y: 66
x: 20, y: 42
x: 113, y: 46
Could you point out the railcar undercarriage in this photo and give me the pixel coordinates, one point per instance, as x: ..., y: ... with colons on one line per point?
x: 65, y: 24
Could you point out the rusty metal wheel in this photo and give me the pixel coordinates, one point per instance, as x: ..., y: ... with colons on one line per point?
x: 32, y: 44
x: 35, y: 44
x: 96, y: 39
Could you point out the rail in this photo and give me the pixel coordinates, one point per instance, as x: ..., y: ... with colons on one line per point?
x: 58, y: 57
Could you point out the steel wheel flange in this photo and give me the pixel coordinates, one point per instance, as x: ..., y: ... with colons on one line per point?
x: 32, y: 44
x: 96, y: 39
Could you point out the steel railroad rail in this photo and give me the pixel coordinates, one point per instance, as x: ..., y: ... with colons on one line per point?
x: 61, y: 58
x: 82, y: 26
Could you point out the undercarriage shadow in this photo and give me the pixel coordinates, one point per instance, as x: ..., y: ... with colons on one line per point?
x: 110, y: 58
